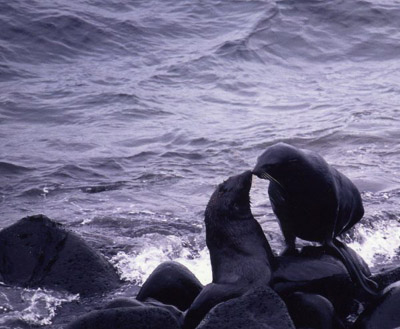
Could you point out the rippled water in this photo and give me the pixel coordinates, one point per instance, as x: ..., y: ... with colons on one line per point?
x: 118, y: 118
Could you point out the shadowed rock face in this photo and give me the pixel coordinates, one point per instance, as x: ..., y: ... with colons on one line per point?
x: 141, y: 317
x: 258, y: 309
x: 171, y: 283
x: 383, y: 313
x: 312, y: 311
x: 313, y: 271
x: 38, y: 252
x: 387, y: 277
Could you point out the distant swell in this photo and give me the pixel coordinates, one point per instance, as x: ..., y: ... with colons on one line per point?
x: 7, y: 168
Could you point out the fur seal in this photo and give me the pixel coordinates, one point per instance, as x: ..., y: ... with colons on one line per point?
x: 241, y: 256
x: 312, y: 201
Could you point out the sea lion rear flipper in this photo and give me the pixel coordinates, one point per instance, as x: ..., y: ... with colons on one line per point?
x: 368, y: 286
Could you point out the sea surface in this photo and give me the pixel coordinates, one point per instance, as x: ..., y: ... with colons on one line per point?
x: 119, y: 118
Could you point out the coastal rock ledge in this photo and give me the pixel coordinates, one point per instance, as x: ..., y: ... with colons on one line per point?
x: 38, y: 252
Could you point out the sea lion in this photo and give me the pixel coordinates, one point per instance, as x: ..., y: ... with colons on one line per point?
x: 241, y: 256
x: 312, y: 201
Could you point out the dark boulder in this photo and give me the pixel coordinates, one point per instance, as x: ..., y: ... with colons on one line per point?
x: 312, y: 311
x: 128, y: 302
x: 38, y: 252
x: 140, y: 317
x: 260, y: 308
x: 123, y: 302
x: 171, y: 283
x: 383, y: 313
x: 315, y: 272
x: 387, y: 277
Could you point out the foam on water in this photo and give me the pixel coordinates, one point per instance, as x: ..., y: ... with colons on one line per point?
x: 378, y: 244
x: 138, y: 265
x: 35, y: 307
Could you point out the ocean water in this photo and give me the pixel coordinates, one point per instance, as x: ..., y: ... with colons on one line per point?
x: 119, y: 118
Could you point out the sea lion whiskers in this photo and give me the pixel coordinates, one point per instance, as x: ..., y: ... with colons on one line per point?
x: 265, y: 175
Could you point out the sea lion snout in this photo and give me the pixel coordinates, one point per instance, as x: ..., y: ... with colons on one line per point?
x: 257, y: 171
x: 260, y: 170
x: 245, y: 180
x: 238, y: 184
x: 247, y: 176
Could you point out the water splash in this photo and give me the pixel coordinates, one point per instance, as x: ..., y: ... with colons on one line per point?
x: 35, y: 307
x: 378, y: 243
x: 136, y: 266
x: 5, y: 305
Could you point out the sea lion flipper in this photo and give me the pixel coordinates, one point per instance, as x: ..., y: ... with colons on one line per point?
x: 211, y: 295
x: 368, y: 286
x: 344, y: 248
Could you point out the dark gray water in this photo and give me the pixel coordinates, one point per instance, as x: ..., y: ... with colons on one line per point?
x: 118, y: 118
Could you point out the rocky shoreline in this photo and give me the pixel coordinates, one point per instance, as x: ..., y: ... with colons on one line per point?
x: 309, y: 290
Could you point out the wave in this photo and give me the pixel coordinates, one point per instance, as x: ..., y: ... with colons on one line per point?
x: 320, y: 31
x: 7, y: 168
x: 280, y: 32
x: 34, y: 35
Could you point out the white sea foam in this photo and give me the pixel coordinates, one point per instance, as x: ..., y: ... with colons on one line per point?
x: 138, y: 265
x: 35, y: 307
x: 43, y: 305
x: 379, y: 243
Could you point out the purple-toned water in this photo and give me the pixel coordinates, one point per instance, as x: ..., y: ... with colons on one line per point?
x: 118, y: 119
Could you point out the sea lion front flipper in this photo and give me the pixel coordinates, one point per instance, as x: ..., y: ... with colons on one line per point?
x: 211, y: 295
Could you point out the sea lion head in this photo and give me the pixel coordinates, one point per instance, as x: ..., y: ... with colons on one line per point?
x: 278, y: 163
x: 231, y: 200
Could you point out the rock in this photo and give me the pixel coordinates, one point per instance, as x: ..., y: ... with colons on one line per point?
x: 383, y: 313
x: 312, y: 311
x: 171, y: 283
x: 314, y: 272
x: 38, y: 252
x: 123, y: 302
x: 260, y: 308
x: 319, y: 252
x: 140, y: 317
x: 387, y: 277
x: 128, y: 302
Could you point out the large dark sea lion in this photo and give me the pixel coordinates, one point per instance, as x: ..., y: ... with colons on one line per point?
x: 313, y: 201
x: 239, y: 251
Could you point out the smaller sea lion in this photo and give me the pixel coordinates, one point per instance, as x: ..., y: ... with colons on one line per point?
x: 241, y: 256
x: 312, y: 201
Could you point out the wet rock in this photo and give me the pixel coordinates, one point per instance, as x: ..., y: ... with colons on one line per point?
x: 312, y: 311
x: 128, y: 302
x: 258, y: 309
x: 383, y: 313
x: 140, y: 317
x: 171, y: 283
x: 387, y: 277
x: 124, y: 302
x: 38, y: 252
x: 315, y: 272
